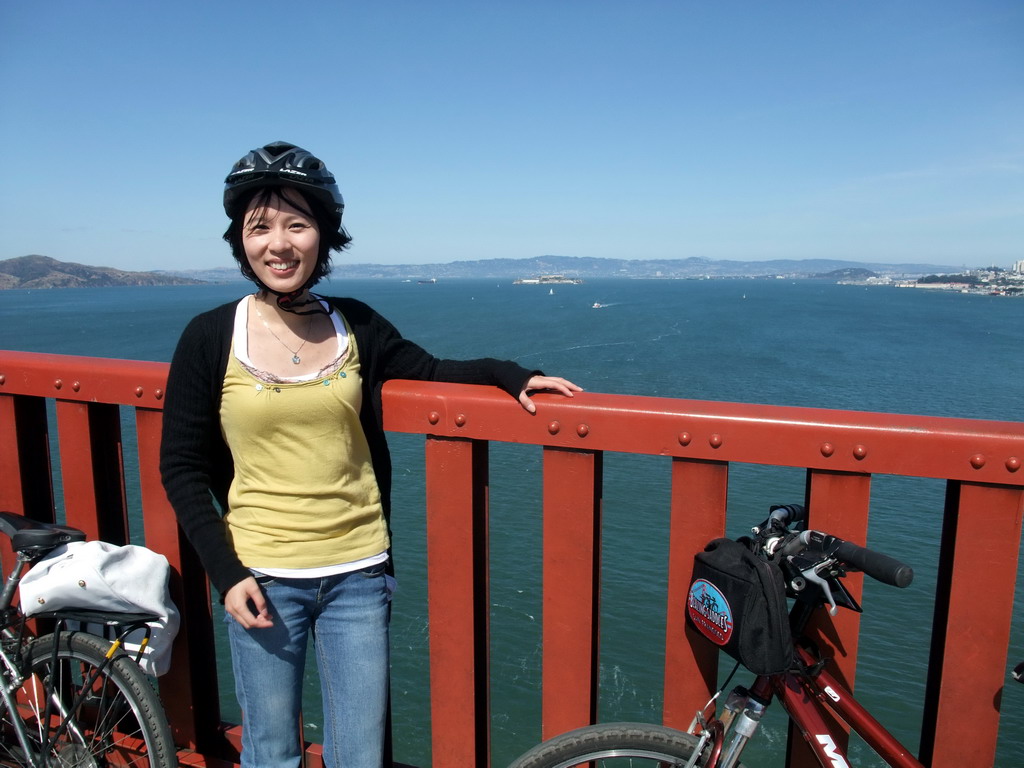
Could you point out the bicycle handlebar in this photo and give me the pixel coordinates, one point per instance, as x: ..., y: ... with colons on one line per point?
x: 877, y: 565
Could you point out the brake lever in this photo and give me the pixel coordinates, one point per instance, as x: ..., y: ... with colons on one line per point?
x: 811, y: 574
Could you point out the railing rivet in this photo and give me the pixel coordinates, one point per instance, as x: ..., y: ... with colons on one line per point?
x: 433, y: 417
x: 685, y: 438
x: 715, y: 441
x: 158, y: 394
x: 827, y: 449
x: 138, y: 391
x: 460, y: 420
x: 1013, y: 463
x: 978, y: 461
x: 582, y: 430
x: 76, y: 385
x: 57, y: 384
x: 860, y: 451
x: 554, y: 427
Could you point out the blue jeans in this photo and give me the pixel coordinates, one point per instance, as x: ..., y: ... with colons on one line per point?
x: 348, y: 617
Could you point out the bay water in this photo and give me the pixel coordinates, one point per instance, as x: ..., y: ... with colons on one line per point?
x: 783, y: 342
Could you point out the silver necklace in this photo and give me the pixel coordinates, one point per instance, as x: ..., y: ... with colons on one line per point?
x: 295, y: 352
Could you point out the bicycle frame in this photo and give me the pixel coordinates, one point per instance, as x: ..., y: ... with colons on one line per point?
x: 810, y: 700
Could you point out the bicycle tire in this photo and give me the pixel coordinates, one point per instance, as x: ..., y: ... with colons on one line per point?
x: 614, y: 745
x: 118, y: 720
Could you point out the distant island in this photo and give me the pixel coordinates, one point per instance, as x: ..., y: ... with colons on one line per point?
x: 35, y: 272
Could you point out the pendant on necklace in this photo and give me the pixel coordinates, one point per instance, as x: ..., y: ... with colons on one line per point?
x: 296, y: 359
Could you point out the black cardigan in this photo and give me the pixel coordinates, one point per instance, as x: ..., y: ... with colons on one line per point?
x: 195, y: 463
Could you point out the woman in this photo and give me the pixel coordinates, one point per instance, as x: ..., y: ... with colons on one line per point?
x: 273, y: 409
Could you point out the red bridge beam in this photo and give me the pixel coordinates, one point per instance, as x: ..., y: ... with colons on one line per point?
x: 841, y: 451
x: 838, y: 441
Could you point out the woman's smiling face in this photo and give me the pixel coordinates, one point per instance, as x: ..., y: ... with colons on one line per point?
x: 281, y: 241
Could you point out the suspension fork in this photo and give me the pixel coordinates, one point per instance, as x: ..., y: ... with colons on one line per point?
x: 741, y: 716
x: 723, y: 739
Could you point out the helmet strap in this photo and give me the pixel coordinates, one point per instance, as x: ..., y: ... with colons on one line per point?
x: 293, y: 302
x: 290, y: 302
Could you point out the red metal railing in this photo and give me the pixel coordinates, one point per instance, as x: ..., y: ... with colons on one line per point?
x: 979, y: 461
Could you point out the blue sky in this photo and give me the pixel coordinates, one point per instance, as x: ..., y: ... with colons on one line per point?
x: 886, y: 131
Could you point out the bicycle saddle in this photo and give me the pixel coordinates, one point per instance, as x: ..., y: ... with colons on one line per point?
x: 29, y: 535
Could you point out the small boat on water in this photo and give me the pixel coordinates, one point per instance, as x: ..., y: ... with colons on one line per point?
x: 598, y: 305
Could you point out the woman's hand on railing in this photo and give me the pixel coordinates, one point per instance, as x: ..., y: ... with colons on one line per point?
x: 546, y: 384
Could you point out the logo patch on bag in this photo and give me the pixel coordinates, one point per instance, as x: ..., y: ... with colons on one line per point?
x: 710, y: 611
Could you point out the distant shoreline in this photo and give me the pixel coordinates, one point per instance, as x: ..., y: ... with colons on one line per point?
x: 42, y: 272
x: 586, y: 268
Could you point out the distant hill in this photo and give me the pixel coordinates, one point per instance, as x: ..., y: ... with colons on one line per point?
x: 35, y: 272
x: 584, y: 267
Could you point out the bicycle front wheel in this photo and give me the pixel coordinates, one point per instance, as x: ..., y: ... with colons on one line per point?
x: 614, y: 745
x: 73, y: 714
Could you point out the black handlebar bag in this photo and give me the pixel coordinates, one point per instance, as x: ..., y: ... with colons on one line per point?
x: 738, y: 601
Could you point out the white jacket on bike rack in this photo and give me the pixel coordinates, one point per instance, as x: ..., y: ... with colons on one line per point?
x: 98, y: 576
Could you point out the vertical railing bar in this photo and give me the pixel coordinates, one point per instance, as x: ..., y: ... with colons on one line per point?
x: 838, y: 503
x: 978, y: 583
x: 571, y: 588
x: 699, y: 498
x: 11, y: 489
x: 191, y: 695
x: 78, y: 478
x: 456, y: 541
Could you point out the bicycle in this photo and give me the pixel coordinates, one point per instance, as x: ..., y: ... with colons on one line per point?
x: 812, y: 564
x: 70, y: 698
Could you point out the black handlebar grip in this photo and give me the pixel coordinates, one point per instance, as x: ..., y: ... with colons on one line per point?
x: 788, y: 514
x: 886, y: 569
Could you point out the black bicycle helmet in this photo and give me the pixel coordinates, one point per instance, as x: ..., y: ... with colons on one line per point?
x: 280, y: 164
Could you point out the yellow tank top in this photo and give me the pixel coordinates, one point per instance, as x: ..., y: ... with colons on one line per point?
x: 304, y: 493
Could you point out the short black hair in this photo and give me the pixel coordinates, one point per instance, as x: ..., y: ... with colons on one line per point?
x: 333, y: 236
